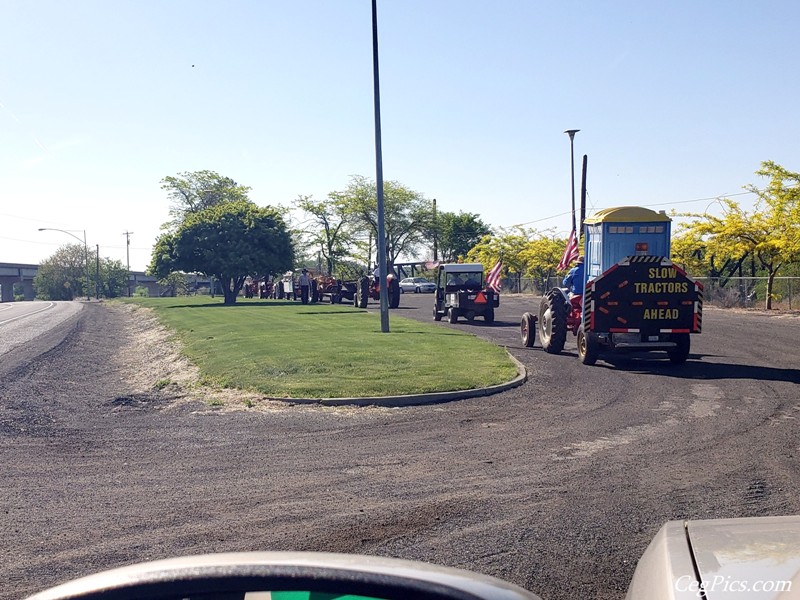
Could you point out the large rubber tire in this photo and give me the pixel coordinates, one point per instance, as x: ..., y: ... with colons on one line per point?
x: 394, y: 293
x: 361, y: 297
x: 527, y: 330
x: 437, y: 316
x: 588, y: 347
x: 452, y: 315
x: 553, y: 322
x: 488, y: 316
x: 680, y: 352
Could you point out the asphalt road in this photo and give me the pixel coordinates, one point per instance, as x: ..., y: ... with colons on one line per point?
x: 557, y: 485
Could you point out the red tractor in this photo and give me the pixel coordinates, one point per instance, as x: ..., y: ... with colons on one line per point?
x: 369, y: 287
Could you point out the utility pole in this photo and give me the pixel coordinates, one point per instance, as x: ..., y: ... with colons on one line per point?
x: 97, y: 273
x: 435, y: 234
x: 128, y: 235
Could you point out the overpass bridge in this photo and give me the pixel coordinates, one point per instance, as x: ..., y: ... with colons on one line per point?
x: 20, y: 276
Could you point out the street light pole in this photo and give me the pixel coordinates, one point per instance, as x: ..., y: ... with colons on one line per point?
x: 85, y: 252
x: 383, y: 271
x: 571, y: 133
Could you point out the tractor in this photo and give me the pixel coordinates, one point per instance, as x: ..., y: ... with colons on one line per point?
x: 460, y: 292
x: 635, y: 298
x: 358, y: 291
x: 369, y: 288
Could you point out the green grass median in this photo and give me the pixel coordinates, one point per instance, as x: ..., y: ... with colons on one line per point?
x: 286, y: 349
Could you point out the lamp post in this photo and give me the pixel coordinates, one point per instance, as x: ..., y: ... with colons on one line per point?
x: 571, y: 133
x: 382, y: 263
x: 85, y: 251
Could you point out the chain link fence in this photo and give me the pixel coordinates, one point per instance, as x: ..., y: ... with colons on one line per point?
x: 727, y: 292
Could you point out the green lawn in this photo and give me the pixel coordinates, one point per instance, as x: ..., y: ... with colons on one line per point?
x: 285, y: 349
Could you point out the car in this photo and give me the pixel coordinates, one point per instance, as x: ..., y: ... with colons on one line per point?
x: 417, y: 285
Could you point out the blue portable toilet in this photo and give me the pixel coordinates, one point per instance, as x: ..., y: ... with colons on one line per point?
x: 611, y: 234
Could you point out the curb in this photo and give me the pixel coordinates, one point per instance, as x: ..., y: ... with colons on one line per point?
x: 419, y: 399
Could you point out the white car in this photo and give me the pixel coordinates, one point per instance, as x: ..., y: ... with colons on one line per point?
x: 417, y: 285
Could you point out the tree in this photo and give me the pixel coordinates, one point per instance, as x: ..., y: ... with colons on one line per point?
x: 191, y: 192
x: 63, y: 275
x: 542, y: 254
x: 331, y: 233
x: 113, y: 278
x: 508, y: 245
x: 406, y: 213
x: 229, y: 240
x: 456, y: 234
x: 771, y: 233
x: 525, y: 252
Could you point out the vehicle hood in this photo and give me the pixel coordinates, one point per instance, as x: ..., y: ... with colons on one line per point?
x: 747, y: 558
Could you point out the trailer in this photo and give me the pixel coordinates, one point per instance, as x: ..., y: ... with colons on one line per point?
x: 635, y: 298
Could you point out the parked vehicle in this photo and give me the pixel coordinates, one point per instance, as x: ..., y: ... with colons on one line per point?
x: 460, y: 292
x: 417, y: 285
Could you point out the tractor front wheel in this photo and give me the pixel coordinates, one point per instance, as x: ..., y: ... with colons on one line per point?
x: 452, y: 315
x: 588, y: 346
x: 553, y: 322
x: 527, y: 329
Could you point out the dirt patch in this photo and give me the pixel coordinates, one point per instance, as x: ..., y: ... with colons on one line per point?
x: 153, y: 364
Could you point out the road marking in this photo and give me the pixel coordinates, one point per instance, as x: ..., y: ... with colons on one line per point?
x: 48, y: 307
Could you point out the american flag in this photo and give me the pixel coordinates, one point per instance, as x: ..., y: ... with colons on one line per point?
x: 570, y: 252
x: 493, y: 277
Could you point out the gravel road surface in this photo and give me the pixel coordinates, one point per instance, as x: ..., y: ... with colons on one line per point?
x: 557, y: 485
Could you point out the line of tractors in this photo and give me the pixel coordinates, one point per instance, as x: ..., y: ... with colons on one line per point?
x: 634, y: 297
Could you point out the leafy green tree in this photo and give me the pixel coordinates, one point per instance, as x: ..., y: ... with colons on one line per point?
x: 456, y: 234
x: 63, y: 275
x: 229, y: 240
x: 330, y: 230
x: 771, y: 233
x: 191, y: 192
x: 407, y: 213
x: 113, y: 278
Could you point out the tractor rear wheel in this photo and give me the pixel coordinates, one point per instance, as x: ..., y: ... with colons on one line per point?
x: 680, y: 352
x: 527, y: 329
x: 588, y: 346
x: 437, y: 316
x: 553, y: 322
x: 394, y: 293
x: 452, y: 315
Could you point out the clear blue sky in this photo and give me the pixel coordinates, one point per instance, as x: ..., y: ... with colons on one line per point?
x: 100, y: 99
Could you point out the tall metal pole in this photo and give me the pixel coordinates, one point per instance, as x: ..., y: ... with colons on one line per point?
x: 128, y: 235
x: 86, y: 254
x: 382, y: 264
x: 435, y: 234
x: 571, y: 133
x: 97, y: 274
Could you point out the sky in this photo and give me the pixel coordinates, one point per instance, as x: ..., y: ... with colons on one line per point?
x: 677, y: 104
